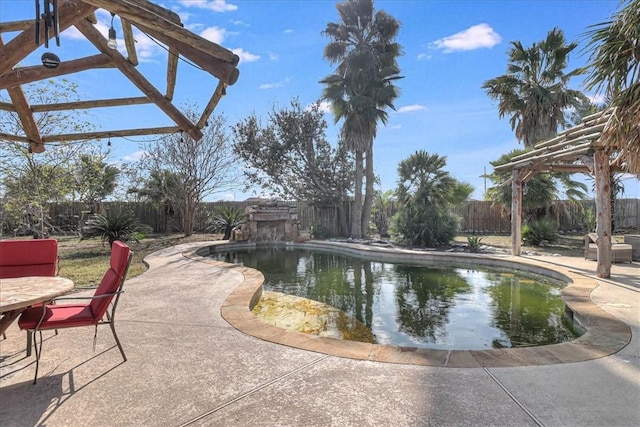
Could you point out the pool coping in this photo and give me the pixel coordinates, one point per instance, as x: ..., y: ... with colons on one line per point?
x: 604, y: 336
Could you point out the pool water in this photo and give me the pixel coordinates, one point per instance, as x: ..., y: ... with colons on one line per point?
x: 443, y: 307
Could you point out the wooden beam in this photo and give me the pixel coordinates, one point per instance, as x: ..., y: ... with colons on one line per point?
x: 98, y: 103
x: 603, y: 212
x: 6, y: 106
x: 98, y: 40
x: 29, y: 125
x: 6, y: 27
x: 14, y: 138
x: 224, y: 71
x: 172, y: 72
x: 20, y: 103
x: 145, y: 14
x: 110, y: 133
x: 22, y: 75
x: 516, y: 213
x: 69, y: 11
x: 215, y: 98
x: 129, y: 41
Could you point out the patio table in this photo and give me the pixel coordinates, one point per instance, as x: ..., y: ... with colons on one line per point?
x: 16, y: 294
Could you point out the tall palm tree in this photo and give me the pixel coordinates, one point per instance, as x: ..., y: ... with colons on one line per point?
x: 534, y: 91
x: 363, y: 47
x: 614, y: 67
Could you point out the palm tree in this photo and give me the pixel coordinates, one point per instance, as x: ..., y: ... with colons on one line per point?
x: 362, y: 45
x: 534, y: 91
x: 614, y: 67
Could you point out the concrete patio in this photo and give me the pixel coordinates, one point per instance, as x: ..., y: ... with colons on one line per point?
x: 188, y: 366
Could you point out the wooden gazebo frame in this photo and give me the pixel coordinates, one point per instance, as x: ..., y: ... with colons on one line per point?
x: 160, y: 23
x: 579, y: 149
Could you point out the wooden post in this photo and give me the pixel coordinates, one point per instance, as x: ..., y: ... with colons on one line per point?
x: 603, y: 212
x: 516, y: 212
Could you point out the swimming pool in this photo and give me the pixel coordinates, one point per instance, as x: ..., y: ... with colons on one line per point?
x: 416, y: 304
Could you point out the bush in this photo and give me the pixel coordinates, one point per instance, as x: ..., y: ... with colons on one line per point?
x: 431, y: 227
x: 474, y: 243
x: 540, y: 232
x: 225, y: 219
x: 114, y: 227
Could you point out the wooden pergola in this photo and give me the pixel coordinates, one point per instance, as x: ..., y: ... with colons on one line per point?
x: 578, y: 149
x: 162, y: 24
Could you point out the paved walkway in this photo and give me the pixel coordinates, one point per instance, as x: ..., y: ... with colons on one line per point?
x: 188, y: 366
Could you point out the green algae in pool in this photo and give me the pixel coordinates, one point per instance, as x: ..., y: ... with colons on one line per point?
x: 414, y: 305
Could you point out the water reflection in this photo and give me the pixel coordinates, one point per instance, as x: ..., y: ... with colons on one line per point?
x: 413, y: 305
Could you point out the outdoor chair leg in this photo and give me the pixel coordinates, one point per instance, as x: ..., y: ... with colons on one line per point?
x: 113, y: 329
x: 38, y: 354
x: 29, y: 341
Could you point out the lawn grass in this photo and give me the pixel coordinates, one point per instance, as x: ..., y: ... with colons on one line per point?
x: 85, y: 261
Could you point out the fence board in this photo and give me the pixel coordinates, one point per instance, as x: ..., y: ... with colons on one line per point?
x: 475, y: 216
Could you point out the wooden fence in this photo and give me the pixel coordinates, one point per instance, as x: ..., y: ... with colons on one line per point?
x: 476, y: 216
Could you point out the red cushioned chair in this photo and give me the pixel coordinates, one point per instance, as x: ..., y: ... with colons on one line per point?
x: 28, y: 257
x: 93, y: 313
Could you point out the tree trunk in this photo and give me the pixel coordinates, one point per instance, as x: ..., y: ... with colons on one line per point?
x: 603, y: 212
x: 356, y: 215
x: 369, y: 192
x: 516, y: 212
x: 189, y: 214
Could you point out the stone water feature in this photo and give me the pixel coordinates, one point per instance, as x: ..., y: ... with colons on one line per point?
x: 270, y: 222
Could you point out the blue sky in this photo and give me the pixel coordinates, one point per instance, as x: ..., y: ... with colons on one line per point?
x: 450, y: 49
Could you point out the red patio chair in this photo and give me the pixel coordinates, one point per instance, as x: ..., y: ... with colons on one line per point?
x: 93, y: 313
x: 28, y: 257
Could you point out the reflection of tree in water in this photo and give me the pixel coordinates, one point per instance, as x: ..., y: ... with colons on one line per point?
x: 528, y: 312
x: 425, y: 297
x: 344, y: 283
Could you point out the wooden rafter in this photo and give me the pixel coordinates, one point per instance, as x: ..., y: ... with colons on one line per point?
x: 148, y: 18
x: 129, y: 41
x: 125, y: 67
x: 96, y: 103
x: 23, y: 75
x: 69, y: 12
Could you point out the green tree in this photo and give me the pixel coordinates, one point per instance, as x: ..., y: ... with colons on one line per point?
x: 161, y: 188
x: 291, y: 157
x: 201, y: 168
x: 539, y: 192
x: 95, y: 179
x: 363, y: 47
x: 426, y: 192
x: 534, y: 92
x: 30, y: 181
x: 614, y: 68
x: 381, y: 205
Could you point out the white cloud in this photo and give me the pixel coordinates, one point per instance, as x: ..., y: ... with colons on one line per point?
x: 325, y: 106
x: 134, y: 157
x: 238, y: 22
x: 410, y: 108
x: 288, y: 31
x: 475, y: 37
x: 423, y: 56
x: 275, y: 85
x: 597, y: 99
x: 245, y: 56
x: 214, y: 34
x: 214, y: 5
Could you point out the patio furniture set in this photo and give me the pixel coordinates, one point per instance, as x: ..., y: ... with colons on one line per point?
x: 620, y: 252
x: 30, y: 290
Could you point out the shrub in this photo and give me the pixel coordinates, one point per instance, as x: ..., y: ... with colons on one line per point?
x: 431, y: 227
x: 540, y: 232
x: 589, y: 220
x: 474, y: 243
x: 112, y: 227
x: 225, y: 219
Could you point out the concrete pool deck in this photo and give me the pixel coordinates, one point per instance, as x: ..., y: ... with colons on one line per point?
x: 188, y: 366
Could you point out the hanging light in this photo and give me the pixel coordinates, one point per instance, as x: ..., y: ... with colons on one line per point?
x: 112, y: 42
